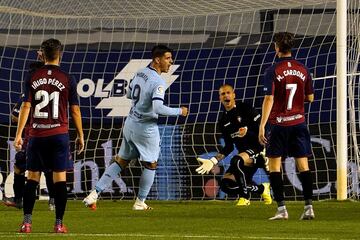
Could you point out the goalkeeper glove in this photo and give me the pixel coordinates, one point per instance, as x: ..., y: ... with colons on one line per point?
x: 207, y: 165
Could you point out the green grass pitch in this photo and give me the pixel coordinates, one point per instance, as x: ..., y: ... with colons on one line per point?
x: 188, y: 220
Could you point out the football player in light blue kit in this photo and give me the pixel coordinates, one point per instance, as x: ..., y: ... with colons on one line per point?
x: 141, y: 132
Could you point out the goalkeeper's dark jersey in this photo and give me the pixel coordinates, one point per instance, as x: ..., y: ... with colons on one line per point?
x: 242, y: 115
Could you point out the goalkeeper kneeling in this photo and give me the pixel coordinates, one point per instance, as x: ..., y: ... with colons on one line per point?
x: 239, y: 125
x: 237, y: 180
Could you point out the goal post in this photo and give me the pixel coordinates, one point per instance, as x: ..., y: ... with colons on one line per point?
x: 214, y: 42
x: 341, y: 103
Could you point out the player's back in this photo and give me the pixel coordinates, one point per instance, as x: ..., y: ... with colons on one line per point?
x: 48, y: 90
x: 146, y: 86
x: 292, y: 82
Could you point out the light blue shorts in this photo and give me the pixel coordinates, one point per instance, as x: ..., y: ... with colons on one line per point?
x: 141, y: 140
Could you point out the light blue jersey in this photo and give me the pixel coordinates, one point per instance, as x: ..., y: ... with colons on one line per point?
x: 147, y: 91
x: 141, y: 133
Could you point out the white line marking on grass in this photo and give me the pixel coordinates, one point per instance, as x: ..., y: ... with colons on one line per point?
x: 138, y: 235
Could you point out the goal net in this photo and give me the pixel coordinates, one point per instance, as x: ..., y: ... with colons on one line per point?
x: 214, y: 42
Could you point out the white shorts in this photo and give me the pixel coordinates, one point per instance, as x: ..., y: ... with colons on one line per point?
x: 141, y: 140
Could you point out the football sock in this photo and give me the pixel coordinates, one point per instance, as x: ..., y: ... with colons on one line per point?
x: 27, y: 218
x: 29, y: 197
x: 306, y: 181
x: 146, y: 181
x: 60, y: 199
x: 19, y: 185
x: 277, y: 187
x: 58, y: 221
x: 111, y: 172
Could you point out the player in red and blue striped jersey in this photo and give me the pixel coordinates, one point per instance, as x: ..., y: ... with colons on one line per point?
x: 287, y: 85
x: 49, y: 92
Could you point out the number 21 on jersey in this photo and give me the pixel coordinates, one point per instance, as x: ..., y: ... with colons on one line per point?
x: 45, y: 98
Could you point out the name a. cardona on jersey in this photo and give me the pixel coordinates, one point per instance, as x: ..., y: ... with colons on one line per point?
x: 291, y: 72
x: 113, y: 95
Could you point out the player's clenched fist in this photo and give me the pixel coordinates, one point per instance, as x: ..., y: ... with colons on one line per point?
x: 184, y: 111
x: 18, y: 142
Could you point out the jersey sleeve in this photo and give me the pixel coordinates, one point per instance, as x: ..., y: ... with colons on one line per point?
x: 158, y: 92
x: 158, y: 95
x: 73, y: 97
x: 160, y: 108
x: 268, y: 81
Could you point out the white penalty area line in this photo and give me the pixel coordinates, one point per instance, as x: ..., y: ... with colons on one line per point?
x: 156, y: 236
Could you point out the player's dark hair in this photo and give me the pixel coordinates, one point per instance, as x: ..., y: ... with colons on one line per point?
x: 51, y: 48
x: 284, y: 41
x: 159, y: 51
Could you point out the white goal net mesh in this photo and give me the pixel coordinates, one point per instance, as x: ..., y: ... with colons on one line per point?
x: 214, y: 42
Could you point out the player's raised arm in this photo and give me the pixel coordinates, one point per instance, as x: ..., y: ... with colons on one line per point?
x: 159, y: 92
x: 160, y: 108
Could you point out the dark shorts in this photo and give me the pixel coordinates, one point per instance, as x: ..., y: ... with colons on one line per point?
x: 48, y: 153
x: 289, y: 141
